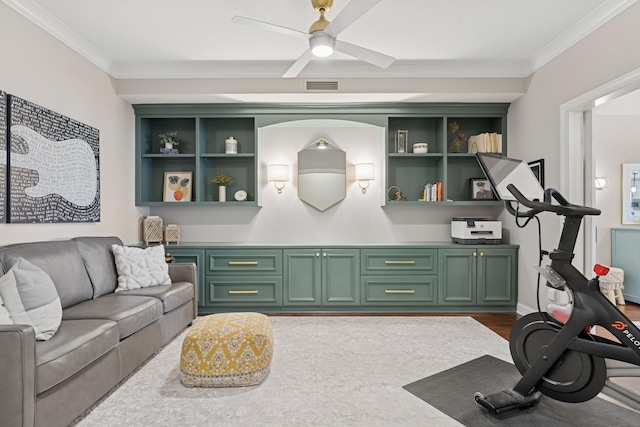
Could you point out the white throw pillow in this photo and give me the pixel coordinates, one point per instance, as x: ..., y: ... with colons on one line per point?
x: 31, y: 298
x: 140, y: 268
x: 5, y: 318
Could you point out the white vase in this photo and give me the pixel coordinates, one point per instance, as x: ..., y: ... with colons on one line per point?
x: 168, y: 145
x: 222, y: 193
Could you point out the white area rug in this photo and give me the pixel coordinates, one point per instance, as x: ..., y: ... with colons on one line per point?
x: 326, y: 371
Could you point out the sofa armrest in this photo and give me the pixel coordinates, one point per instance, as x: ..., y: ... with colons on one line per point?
x: 18, y: 373
x: 186, y: 272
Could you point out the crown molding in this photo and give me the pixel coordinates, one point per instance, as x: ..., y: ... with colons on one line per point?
x: 586, y: 26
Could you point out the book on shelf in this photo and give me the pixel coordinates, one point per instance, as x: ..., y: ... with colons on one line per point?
x: 168, y: 151
x: 432, y: 192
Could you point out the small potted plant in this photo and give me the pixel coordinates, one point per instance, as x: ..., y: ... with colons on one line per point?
x: 222, y: 180
x: 169, y: 140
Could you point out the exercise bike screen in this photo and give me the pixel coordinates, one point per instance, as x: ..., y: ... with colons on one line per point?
x: 503, y: 171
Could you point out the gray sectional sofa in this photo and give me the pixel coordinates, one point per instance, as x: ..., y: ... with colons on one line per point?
x: 104, y: 335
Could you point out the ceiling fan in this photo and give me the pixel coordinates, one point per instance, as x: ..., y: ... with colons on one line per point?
x: 323, y: 34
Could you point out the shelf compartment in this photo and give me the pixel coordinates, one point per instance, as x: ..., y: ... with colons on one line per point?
x: 151, y: 128
x: 241, y: 170
x: 474, y: 126
x: 215, y: 131
x: 152, y: 175
x: 421, y: 129
x: 410, y: 174
x: 460, y: 169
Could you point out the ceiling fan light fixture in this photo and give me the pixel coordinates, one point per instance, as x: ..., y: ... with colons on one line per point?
x: 321, y: 44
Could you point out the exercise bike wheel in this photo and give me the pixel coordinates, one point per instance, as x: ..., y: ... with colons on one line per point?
x: 575, y: 377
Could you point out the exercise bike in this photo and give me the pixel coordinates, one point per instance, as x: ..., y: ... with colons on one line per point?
x: 557, y: 355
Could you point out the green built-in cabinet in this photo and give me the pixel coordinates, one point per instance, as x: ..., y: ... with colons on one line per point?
x: 477, y: 276
x: 203, y: 129
x: 392, y: 278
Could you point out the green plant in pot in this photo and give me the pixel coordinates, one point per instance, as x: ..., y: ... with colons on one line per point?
x: 222, y: 180
x: 169, y: 139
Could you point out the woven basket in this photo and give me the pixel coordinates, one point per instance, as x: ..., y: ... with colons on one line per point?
x: 152, y: 230
x: 172, y: 234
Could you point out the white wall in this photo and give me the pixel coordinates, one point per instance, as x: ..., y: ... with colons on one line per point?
x: 40, y: 69
x: 534, y: 120
x: 615, y: 140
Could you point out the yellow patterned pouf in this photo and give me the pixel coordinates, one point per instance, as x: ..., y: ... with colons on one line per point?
x: 227, y: 350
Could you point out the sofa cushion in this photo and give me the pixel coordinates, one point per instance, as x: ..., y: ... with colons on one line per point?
x: 130, y: 312
x: 140, y: 268
x: 99, y: 262
x: 31, y: 298
x: 172, y: 296
x: 77, y: 344
x: 61, y: 260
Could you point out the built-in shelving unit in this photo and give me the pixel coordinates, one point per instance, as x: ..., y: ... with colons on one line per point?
x: 203, y: 129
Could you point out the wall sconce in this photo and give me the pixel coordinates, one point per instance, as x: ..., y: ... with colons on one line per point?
x: 365, y: 172
x: 279, y: 175
x: 602, y: 182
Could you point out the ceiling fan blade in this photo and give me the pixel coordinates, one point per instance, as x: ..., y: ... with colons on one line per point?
x: 267, y: 26
x: 300, y: 63
x: 349, y: 14
x: 372, y: 57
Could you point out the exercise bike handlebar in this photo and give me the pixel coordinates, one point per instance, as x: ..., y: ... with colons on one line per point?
x: 535, y: 206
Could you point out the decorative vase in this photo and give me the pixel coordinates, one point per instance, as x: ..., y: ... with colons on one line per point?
x: 168, y: 145
x: 222, y: 193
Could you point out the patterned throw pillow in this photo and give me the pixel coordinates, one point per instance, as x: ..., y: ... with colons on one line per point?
x: 140, y: 268
x: 31, y: 298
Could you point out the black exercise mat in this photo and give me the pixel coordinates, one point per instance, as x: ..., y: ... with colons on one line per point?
x: 452, y: 391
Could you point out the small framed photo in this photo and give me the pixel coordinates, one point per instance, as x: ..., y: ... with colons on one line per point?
x: 177, y: 186
x: 537, y: 167
x: 480, y: 189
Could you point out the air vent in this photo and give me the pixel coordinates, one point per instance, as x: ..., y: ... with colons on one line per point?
x: 322, y: 86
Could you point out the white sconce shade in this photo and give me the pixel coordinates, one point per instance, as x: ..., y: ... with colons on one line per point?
x: 602, y: 182
x: 279, y: 175
x: 365, y: 172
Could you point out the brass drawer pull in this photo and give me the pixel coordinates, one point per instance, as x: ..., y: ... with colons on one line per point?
x: 399, y: 291
x: 407, y: 262
x: 243, y: 262
x: 249, y: 292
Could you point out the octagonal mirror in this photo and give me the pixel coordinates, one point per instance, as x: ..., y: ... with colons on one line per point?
x: 322, y: 170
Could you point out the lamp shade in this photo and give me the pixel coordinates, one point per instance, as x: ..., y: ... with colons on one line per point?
x: 278, y: 173
x: 365, y: 172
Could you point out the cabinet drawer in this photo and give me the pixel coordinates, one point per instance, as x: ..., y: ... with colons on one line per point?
x: 244, y: 290
x: 406, y: 290
x: 246, y: 262
x: 399, y: 261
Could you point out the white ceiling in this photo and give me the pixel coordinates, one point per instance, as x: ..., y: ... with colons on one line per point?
x: 429, y: 38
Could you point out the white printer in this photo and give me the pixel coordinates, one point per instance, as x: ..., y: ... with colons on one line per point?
x: 476, y: 231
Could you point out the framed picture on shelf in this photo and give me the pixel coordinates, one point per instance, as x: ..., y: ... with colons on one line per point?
x: 537, y: 167
x: 480, y: 189
x: 177, y: 186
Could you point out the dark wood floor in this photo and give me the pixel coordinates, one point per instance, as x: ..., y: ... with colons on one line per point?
x: 502, y: 323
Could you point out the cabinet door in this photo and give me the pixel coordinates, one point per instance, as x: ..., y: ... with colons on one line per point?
x: 340, y: 276
x: 195, y: 256
x: 496, y: 276
x: 302, y: 277
x: 457, y: 277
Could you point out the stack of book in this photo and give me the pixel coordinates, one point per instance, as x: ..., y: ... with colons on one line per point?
x: 168, y: 151
x: 432, y: 192
x: 485, y: 143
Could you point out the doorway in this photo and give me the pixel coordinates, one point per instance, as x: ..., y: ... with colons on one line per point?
x: 578, y: 160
